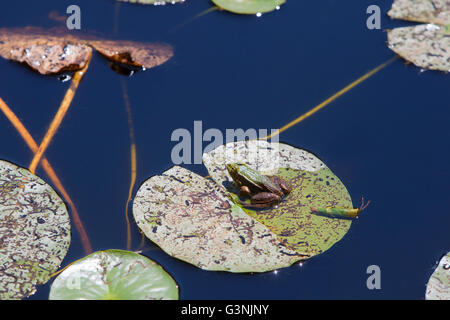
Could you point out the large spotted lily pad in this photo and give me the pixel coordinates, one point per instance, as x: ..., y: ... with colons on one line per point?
x: 114, y: 275
x: 198, y: 220
x: 34, y: 231
x: 425, y: 45
x: 438, y: 287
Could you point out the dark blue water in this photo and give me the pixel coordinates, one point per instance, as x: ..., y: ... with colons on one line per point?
x: 387, y: 139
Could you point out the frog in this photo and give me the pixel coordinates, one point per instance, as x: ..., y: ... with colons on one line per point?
x: 264, y: 191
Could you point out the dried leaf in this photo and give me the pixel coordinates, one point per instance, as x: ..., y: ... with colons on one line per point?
x: 55, y: 51
x: 147, y: 55
x: 34, y: 231
x: 43, y: 52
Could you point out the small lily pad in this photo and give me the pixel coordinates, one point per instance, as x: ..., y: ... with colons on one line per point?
x: 249, y: 6
x: 438, y: 287
x: 426, y: 45
x: 34, y: 231
x: 114, y: 275
x: 198, y: 220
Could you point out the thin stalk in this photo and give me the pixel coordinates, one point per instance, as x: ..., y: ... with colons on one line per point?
x: 50, y: 173
x: 332, y: 98
x: 132, y: 157
x: 63, y: 108
x: 201, y: 14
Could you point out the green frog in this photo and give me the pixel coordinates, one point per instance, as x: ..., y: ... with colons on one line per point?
x: 263, y: 191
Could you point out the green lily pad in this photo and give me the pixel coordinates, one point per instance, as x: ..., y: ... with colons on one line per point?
x: 249, y: 6
x: 314, y: 185
x: 198, y: 221
x: 438, y: 287
x: 154, y: 2
x: 34, y: 229
x: 192, y: 218
x: 424, y: 45
x: 114, y: 275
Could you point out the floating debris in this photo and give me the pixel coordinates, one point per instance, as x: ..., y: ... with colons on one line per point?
x: 45, y: 53
x: 144, y: 55
x: 54, y: 51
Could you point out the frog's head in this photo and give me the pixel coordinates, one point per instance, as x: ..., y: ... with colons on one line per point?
x: 233, y: 170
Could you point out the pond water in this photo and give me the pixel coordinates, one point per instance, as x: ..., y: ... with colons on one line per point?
x: 387, y: 139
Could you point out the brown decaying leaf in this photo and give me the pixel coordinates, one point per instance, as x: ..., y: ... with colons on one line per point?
x: 45, y: 53
x: 147, y: 55
x: 54, y: 51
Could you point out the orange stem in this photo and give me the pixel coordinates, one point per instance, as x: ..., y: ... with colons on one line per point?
x: 63, y: 108
x: 50, y: 172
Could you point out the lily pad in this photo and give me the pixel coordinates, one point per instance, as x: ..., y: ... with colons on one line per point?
x: 249, y: 6
x: 314, y: 185
x: 198, y: 220
x: 426, y: 45
x: 154, y: 2
x: 114, y: 275
x: 438, y: 287
x: 436, y: 11
x: 34, y: 231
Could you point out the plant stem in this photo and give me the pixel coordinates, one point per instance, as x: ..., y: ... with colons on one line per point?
x: 50, y: 172
x: 65, y: 104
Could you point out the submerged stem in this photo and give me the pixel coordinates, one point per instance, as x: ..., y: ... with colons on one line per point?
x: 50, y: 172
x: 65, y: 104
x: 332, y: 98
x: 132, y: 157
